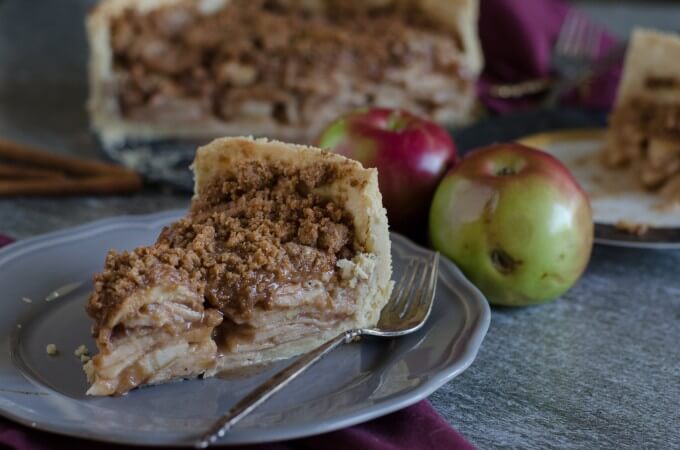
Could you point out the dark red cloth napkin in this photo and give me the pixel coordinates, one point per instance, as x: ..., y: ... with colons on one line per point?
x: 4, y: 240
x: 418, y: 427
x: 517, y: 39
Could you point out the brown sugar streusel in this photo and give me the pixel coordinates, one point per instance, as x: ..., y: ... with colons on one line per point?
x: 262, y: 227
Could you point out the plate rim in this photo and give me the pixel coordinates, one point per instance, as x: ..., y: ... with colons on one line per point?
x: 561, y: 135
x: 477, y: 308
x: 541, y: 139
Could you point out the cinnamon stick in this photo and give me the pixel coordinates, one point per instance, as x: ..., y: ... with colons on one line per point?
x: 103, y: 184
x: 20, y: 171
x: 20, y: 153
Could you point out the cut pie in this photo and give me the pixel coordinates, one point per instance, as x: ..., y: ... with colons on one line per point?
x: 644, y: 129
x: 277, y: 68
x: 284, y: 247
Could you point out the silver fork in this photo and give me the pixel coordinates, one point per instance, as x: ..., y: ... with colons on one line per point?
x: 406, y: 311
x: 575, y: 52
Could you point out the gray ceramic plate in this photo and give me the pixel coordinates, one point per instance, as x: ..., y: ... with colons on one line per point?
x: 355, y: 383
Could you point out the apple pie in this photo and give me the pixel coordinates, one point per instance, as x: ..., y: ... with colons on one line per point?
x: 277, y: 68
x: 644, y: 128
x: 284, y: 247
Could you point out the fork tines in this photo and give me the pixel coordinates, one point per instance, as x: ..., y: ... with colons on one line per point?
x: 416, y: 285
x: 578, y: 37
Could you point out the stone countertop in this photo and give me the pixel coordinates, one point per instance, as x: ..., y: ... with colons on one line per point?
x: 598, y: 368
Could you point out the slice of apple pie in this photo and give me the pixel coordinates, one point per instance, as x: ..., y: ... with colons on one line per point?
x: 284, y: 247
x: 644, y: 127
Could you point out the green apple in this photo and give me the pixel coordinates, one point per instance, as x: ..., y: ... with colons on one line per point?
x: 515, y: 221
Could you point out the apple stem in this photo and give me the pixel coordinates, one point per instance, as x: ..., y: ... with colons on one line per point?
x: 396, y: 121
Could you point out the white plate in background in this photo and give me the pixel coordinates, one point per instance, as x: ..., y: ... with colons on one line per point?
x: 615, y: 194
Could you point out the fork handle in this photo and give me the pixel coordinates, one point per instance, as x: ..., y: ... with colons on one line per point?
x: 270, y: 387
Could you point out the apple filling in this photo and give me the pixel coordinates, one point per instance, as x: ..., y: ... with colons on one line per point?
x: 261, y: 260
x: 646, y: 135
x: 290, y: 63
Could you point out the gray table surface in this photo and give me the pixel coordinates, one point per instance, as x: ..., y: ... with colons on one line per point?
x: 598, y: 368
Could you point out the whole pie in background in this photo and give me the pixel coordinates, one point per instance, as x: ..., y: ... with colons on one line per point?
x: 275, y: 68
x: 284, y: 247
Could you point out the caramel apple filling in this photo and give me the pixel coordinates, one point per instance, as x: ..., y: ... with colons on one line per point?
x: 285, y: 62
x: 262, y: 259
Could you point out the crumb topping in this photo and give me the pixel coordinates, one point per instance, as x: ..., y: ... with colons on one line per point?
x: 263, y: 227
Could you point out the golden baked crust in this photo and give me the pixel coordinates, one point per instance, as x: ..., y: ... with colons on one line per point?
x: 650, y: 54
x: 284, y: 247
x: 290, y: 110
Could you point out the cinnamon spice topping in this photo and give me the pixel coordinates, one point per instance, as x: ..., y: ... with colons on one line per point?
x: 263, y: 228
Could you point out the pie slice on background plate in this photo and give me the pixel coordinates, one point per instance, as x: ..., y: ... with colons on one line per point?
x: 644, y: 128
x: 163, y: 69
x: 284, y: 247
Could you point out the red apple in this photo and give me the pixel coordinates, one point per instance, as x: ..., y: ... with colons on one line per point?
x: 515, y: 221
x: 411, y: 155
